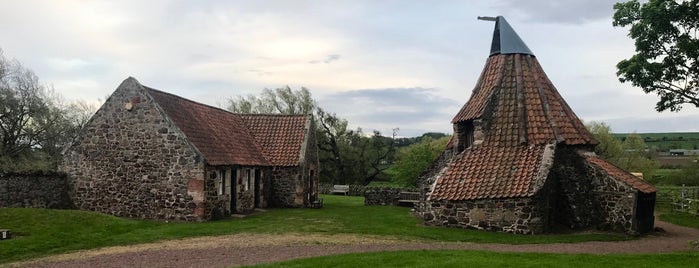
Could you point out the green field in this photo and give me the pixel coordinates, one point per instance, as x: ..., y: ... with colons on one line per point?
x: 41, y: 232
x: 668, y: 140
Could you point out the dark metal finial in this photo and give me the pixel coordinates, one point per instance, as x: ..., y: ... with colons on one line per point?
x: 487, y: 18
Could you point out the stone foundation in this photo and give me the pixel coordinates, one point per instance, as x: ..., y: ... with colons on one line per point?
x: 515, y: 215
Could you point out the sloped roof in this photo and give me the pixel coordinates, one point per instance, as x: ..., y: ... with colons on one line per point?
x: 279, y: 136
x: 492, y: 172
x: 620, y: 174
x: 218, y: 134
x: 523, y: 117
x: 520, y: 105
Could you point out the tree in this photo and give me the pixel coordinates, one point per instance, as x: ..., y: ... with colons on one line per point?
x: 411, y: 161
x: 667, y: 50
x: 281, y: 100
x: 630, y: 155
x: 609, y: 147
x: 346, y: 156
x: 35, y: 125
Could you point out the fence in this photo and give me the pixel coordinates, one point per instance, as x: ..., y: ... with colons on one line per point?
x: 678, y: 198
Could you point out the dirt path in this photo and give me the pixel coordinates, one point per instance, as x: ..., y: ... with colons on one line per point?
x: 247, y: 249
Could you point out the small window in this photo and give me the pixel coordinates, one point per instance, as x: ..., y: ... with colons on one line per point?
x: 221, y: 182
x: 465, y: 136
x: 248, y: 179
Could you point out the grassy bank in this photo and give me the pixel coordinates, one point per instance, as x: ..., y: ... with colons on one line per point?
x: 40, y: 232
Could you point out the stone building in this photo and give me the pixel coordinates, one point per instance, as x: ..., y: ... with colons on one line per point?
x: 521, y: 161
x: 150, y: 154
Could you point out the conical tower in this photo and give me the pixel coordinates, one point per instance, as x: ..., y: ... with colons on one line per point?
x: 517, y: 142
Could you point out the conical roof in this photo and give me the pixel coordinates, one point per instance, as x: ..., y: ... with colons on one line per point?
x: 517, y: 101
x: 523, y: 119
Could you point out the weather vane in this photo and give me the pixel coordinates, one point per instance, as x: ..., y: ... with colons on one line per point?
x: 487, y: 18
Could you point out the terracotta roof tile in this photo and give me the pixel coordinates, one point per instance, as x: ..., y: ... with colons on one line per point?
x: 620, y: 174
x: 492, y: 172
x: 280, y: 136
x: 520, y: 105
x: 225, y: 138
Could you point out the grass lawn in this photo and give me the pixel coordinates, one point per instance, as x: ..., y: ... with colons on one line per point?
x: 458, y: 258
x: 41, y: 232
x: 681, y: 219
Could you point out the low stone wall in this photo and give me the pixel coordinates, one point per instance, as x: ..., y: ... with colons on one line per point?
x: 384, y: 196
x: 355, y: 190
x: 35, y: 190
x: 513, y: 215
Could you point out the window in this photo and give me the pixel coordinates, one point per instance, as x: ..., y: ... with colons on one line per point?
x: 464, y: 135
x: 222, y: 182
x: 248, y: 179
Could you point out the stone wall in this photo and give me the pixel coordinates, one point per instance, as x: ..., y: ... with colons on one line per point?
x: 586, y: 196
x: 309, y: 164
x: 354, y: 190
x: 575, y: 203
x: 514, y: 215
x: 384, y: 196
x: 130, y: 161
x: 285, y: 186
x: 35, y: 190
x: 615, y: 201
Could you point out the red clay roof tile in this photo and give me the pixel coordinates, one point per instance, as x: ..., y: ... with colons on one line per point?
x: 620, y: 174
x: 280, y: 136
x: 520, y: 105
x: 225, y: 138
x: 491, y: 172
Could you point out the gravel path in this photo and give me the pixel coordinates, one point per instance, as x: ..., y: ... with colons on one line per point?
x: 247, y: 249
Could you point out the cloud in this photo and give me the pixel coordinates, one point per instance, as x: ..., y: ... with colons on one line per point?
x: 328, y: 59
x: 561, y: 11
x: 414, y: 110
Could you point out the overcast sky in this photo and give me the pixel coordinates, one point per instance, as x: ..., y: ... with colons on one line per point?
x: 379, y: 64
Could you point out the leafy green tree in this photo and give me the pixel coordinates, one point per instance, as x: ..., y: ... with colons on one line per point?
x: 629, y: 154
x: 635, y: 157
x: 411, y: 161
x: 667, y: 50
x: 609, y: 147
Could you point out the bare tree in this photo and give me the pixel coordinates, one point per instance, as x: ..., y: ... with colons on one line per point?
x: 35, y: 124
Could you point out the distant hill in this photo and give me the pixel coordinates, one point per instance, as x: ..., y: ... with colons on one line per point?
x: 667, y: 141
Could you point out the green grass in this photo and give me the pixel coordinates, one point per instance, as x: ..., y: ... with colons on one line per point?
x: 681, y: 219
x: 456, y: 258
x: 40, y: 232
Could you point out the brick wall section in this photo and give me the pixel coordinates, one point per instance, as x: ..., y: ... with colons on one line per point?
x: 513, y: 215
x: 35, y: 190
x: 135, y: 163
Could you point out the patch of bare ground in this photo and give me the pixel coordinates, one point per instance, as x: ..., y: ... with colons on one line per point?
x: 247, y: 249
